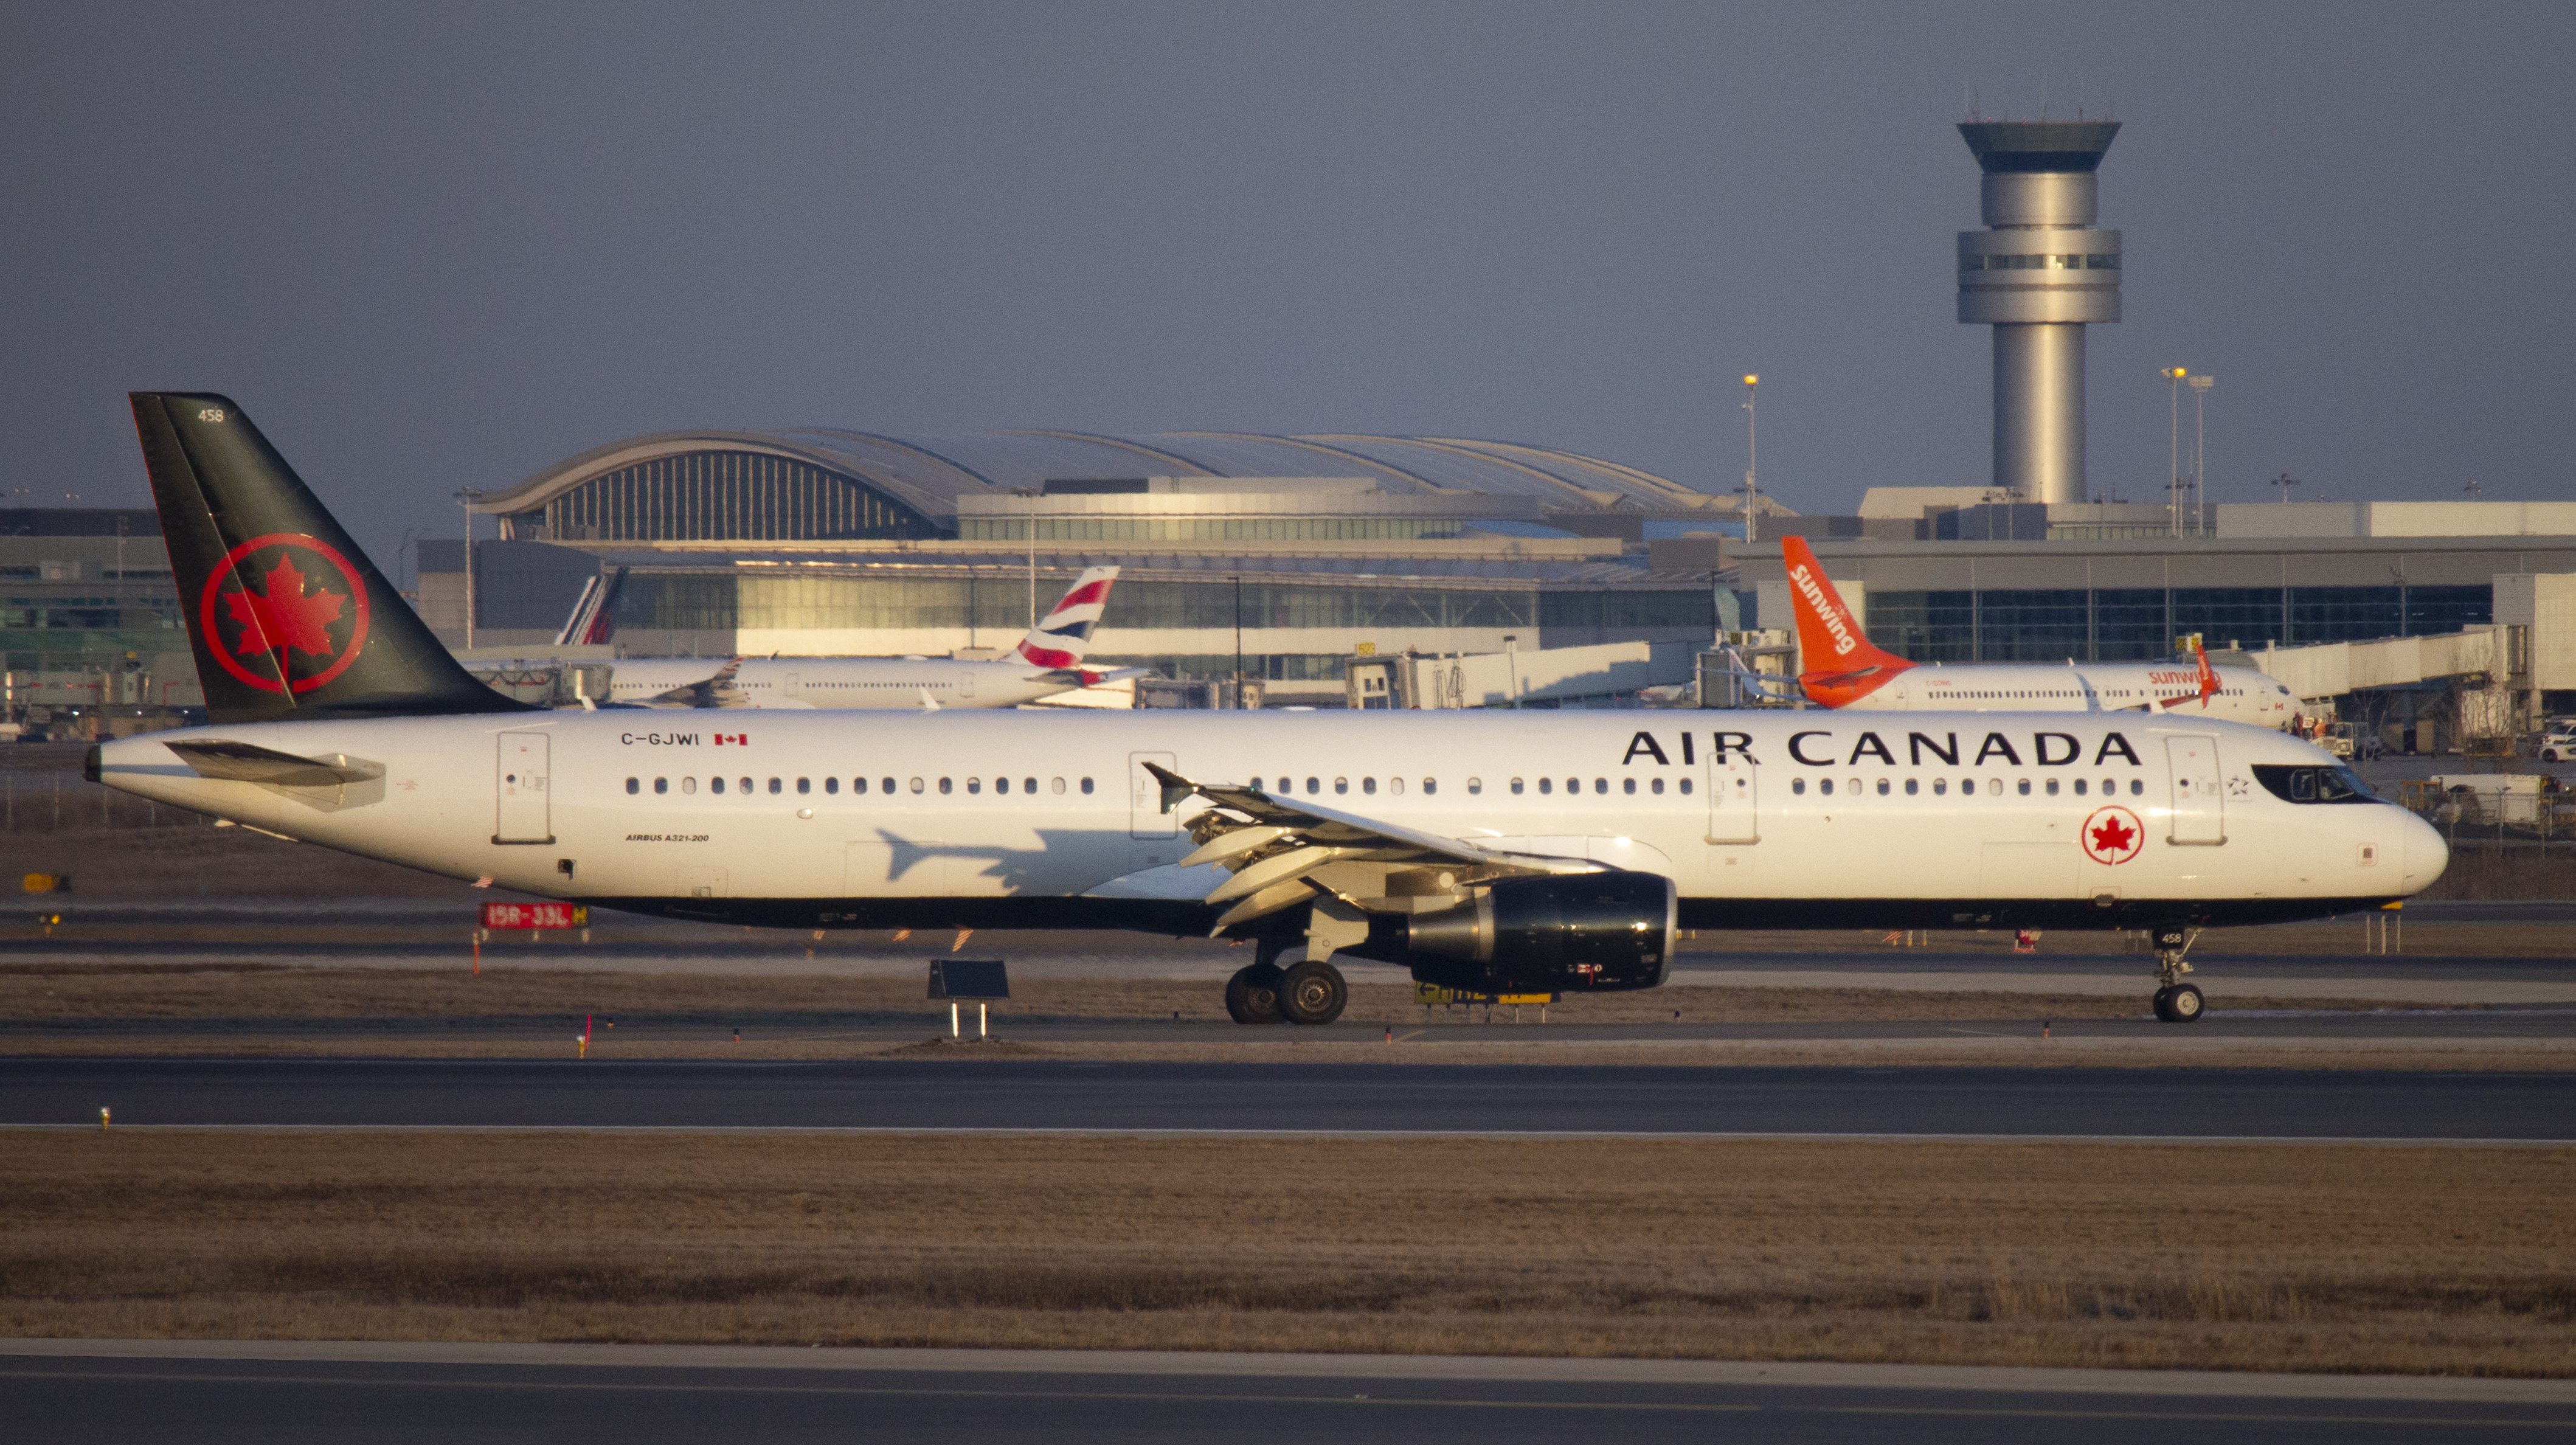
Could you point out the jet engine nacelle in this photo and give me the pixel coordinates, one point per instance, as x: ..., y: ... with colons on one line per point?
x: 1572, y: 933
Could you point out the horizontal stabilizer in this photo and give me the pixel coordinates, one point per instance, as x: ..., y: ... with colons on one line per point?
x: 250, y: 763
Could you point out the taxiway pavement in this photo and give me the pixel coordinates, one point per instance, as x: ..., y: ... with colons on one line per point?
x: 963, y: 1094
x: 89, y: 1393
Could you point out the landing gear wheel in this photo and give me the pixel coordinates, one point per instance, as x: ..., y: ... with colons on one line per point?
x: 2183, y: 1004
x: 1313, y: 993
x: 1252, y: 995
x: 2164, y: 1006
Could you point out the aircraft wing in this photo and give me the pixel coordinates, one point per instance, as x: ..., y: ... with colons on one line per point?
x: 1283, y: 852
x: 715, y: 691
x: 1090, y: 676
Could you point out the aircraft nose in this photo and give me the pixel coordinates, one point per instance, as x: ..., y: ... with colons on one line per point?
x: 2426, y: 854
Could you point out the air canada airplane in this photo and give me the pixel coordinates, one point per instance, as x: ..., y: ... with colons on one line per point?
x: 1048, y: 660
x: 1843, y: 669
x: 1493, y: 852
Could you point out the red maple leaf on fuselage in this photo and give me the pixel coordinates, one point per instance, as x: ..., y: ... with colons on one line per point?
x: 286, y: 615
x: 2113, y: 836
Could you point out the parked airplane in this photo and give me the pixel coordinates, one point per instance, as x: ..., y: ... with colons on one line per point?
x: 1843, y: 669
x: 1048, y: 660
x: 1487, y: 851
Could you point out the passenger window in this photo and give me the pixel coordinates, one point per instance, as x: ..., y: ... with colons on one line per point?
x: 661, y: 785
x: 1855, y: 787
x: 1825, y: 786
x: 1940, y: 787
x: 746, y: 787
x: 1313, y: 786
x: 1601, y: 785
x: 1395, y: 786
x: 1685, y: 785
x: 1000, y: 785
x: 1994, y: 787
x: 1628, y: 785
x: 973, y: 785
x: 1516, y: 787
x: 1367, y: 785
x: 1030, y: 786
x: 1912, y: 786
x: 2023, y: 786
x: 688, y: 785
x: 831, y: 785
x: 1086, y: 787
x: 1475, y: 786
x: 1798, y: 786
x: 804, y: 785
x: 945, y: 786
x: 1658, y: 785
x: 1431, y: 786
x: 1341, y: 785
x: 884, y: 785
x: 632, y: 786
x: 2052, y: 787
x: 2137, y: 786
x: 776, y: 787
x: 1882, y: 787
x: 916, y: 785
x: 1574, y: 785
x: 1545, y: 785
x: 715, y: 785
x: 2079, y: 787
x: 1056, y: 786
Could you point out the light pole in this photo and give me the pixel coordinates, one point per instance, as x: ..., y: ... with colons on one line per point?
x: 466, y: 499
x: 1031, y: 492
x: 1512, y: 646
x: 2173, y: 461
x: 1238, y: 642
x: 1752, y: 487
x: 2285, y: 481
x: 2200, y: 386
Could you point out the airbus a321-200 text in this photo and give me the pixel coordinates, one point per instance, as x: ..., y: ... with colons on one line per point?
x: 1491, y: 852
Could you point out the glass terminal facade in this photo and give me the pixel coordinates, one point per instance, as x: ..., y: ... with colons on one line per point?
x: 2135, y: 624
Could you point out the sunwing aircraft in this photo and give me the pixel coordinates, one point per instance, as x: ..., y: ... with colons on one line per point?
x: 1497, y: 852
x: 1048, y: 660
x: 1844, y: 669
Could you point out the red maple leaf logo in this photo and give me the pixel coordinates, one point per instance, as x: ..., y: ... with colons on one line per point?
x: 2113, y: 836
x: 285, y: 614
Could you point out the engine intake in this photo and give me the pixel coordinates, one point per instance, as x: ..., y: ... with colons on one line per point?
x: 1572, y: 933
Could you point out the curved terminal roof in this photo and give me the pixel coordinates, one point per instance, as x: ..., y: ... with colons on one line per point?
x: 928, y: 474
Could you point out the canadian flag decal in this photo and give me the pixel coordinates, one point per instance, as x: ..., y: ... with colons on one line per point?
x: 737, y: 739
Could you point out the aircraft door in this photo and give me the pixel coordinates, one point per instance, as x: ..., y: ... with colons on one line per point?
x: 965, y: 684
x: 791, y: 688
x: 2199, y: 810
x: 1734, y: 793
x: 1145, y: 815
x: 519, y: 783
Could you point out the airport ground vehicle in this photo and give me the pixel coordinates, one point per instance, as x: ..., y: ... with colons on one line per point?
x: 1496, y: 852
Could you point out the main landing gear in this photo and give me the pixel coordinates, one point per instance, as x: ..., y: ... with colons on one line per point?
x: 2176, y: 1001
x: 1307, y: 992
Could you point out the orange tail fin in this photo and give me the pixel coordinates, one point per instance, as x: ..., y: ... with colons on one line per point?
x: 1829, y: 637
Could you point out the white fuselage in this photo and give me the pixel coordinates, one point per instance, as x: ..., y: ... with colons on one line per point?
x: 1749, y: 812
x: 2168, y: 689
x: 842, y: 682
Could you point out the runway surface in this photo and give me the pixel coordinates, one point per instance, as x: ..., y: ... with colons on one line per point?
x: 398, y: 1393
x: 935, y: 1094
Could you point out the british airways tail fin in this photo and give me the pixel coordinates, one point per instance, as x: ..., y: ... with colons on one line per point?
x: 287, y: 618
x: 1830, y: 642
x: 1064, y: 635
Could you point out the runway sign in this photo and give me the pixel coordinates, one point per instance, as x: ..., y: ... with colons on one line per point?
x: 536, y: 915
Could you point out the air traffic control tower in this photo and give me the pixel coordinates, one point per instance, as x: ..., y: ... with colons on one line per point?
x: 2039, y: 275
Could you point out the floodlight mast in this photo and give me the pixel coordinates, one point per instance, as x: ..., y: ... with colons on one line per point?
x: 2039, y: 274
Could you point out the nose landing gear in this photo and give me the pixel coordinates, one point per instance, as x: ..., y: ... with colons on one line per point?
x: 2176, y: 1002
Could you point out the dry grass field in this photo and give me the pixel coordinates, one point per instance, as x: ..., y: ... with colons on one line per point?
x: 2327, y: 1258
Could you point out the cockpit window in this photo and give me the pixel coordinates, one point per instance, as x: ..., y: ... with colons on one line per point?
x: 2313, y: 785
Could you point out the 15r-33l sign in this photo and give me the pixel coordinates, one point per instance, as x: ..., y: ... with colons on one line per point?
x: 536, y: 915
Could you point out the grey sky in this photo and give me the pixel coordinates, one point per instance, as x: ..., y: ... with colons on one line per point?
x: 433, y: 247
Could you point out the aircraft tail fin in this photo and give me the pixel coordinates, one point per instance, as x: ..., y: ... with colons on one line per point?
x: 1064, y: 634
x: 1830, y: 641
x: 286, y: 617
x: 594, y: 615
